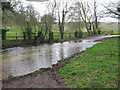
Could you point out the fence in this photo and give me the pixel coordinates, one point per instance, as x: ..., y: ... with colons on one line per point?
x: 56, y: 35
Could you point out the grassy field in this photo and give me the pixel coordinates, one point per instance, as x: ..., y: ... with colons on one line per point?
x: 13, y: 31
x: 97, y: 67
x: 110, y: 26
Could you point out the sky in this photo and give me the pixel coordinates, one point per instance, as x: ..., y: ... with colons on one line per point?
x: 42, y: 9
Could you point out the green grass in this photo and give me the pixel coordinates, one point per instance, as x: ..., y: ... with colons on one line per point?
x: 109, y: 26
x: 96, y: 67
x: 13, y: 31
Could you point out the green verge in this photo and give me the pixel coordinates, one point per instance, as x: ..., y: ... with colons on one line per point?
x: 97, y: 67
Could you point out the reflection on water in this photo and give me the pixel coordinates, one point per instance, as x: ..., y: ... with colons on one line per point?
x: 23, y: 60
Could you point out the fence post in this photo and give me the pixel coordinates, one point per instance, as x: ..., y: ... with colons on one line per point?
x: 16, y: 35
x: 0, y: 34
x: 4, y: 34
x: 59, y: 36
x: 52, y: 35
x: 70, y: 35
x: 111, y: 32
x: 76, y: 34
x: 24, y: 35
x: 80, y: 35
x: 98, y: 31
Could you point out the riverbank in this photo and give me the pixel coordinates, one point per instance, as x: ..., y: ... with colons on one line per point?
x: 22, y: 43
x: 97, y: 67
x: 41, y: 78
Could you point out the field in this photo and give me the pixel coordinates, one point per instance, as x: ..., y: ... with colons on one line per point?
x: 110, y: 26
x: 97, y: 67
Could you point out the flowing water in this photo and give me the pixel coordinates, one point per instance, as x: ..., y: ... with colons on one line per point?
x: 20, y: 61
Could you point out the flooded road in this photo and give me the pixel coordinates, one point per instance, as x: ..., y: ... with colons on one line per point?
x: 20, y: 61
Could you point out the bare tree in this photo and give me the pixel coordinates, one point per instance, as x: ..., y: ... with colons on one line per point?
x: 87, y: 13
x: 75, y: 18
x: 20, y: 17
x: 96, y: 16
x: 62, y: 16
x: 49, y: 18
x: 112, y: 9
x: 84, y: 13
x: 59, y: 10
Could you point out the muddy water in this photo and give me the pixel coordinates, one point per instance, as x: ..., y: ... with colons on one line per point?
x: 20, y: 61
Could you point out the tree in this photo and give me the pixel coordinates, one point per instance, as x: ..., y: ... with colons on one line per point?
x: 59, y: 9
x: 62, y: 9
x: 48, y: 20
x: 7, y: 15
x: 79, y: 13
x: 7, y: 6
x: 62, y: 22
x: 96, y: 16
x: 51, y: 6
x: 31, y: 21
x: 75, y: 18
x: 25, y: 17
x: 112, y: 9
x: 20, y: 17
x: 85, y: 12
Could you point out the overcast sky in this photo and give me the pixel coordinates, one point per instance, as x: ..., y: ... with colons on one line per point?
x: 41, y: 7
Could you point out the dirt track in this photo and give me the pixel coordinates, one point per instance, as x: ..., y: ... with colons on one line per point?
x: 42, y: 80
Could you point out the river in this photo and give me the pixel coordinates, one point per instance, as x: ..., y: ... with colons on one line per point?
x: 20, y: 61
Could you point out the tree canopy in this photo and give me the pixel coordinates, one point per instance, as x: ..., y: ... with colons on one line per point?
x: 48, y: 18
x: 7, y: 6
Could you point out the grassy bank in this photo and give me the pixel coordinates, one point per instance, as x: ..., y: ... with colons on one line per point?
x: 22, y: 43
x: 97, y: 67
